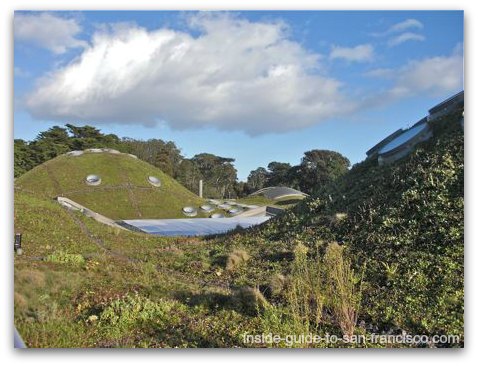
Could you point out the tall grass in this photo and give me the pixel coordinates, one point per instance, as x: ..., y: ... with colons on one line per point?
x: 343, y: 288
x: 236, y: 259
x: 323, y: 283
x: 305, y: 292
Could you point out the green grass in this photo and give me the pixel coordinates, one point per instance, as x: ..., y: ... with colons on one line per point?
x: 124, y: 192
x: 399, y: 265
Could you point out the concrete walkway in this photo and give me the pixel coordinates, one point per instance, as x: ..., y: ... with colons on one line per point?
x: 75, y: 206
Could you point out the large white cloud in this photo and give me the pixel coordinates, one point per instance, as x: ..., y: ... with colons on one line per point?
x: 235, y: 75
x: 48, y: 31
x: 433, y: 75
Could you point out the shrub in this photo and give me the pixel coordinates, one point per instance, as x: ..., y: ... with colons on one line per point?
x: 47, y: 310
x: 135, y: 310
x: 66, y: 258
x: 249, y: 300
x: 236, y: 259
x: 277, y: 284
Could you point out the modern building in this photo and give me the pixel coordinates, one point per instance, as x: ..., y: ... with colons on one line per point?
x: 275, y: 193
x: 374, y: 150
x: 447, y: 106
x: 403, y: 144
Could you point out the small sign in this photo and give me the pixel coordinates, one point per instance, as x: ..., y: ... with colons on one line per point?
x: 18, y: 242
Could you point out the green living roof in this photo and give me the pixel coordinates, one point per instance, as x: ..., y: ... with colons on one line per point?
x: 123, y: 190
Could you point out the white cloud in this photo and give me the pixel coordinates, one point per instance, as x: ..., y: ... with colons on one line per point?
x: 402, y: 32
x: 45, y: 30
x: 235, y: 75
x: 383, y: 73
x: 360, y: 53
x: 406, y: 24
x: 434, y: 76
x: 405, y: 37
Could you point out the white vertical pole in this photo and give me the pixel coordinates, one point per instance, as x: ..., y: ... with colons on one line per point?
x: 200, y: 188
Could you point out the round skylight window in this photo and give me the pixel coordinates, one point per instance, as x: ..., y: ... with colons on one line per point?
x: 190, y: 211
x: 234, y: 211
x: 154, y: 181
x: 207, y: 208
x: 217, y: 216
x: 93, y: 180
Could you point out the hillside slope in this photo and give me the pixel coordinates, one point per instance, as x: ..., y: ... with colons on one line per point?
x: 380, y: 251
x: 403, y: 224
x: 73, y: 277
x: 124, y: 192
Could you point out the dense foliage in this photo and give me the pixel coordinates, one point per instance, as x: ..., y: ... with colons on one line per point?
x: 56, y: 141
x: 317, y: 169
x: 405, y: 224
x: 218, y: 173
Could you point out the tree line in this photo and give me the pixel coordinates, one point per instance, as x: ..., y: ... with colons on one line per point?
x: 317, y: 167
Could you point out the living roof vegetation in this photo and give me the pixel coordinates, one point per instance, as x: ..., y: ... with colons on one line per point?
x: 125, y: 191
x: 380, y: 250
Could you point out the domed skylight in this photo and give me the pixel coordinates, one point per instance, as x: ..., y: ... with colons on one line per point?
x: 234, y: 211
x: 93, y: 180
x: 207, y: 208
x: 190, y: 211
x: 155, y: 181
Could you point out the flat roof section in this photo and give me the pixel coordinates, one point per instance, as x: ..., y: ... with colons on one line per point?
x: 195, y: 227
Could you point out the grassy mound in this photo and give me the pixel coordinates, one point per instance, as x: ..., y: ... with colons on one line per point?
x: 124, y: 192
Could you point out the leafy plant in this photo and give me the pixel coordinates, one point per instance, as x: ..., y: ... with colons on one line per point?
x: 66, y: 258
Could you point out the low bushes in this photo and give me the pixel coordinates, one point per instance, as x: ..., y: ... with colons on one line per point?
x: 66, y: 258
x: 236, y: 259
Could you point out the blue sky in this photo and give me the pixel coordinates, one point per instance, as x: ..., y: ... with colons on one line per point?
x: 257, y: 86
